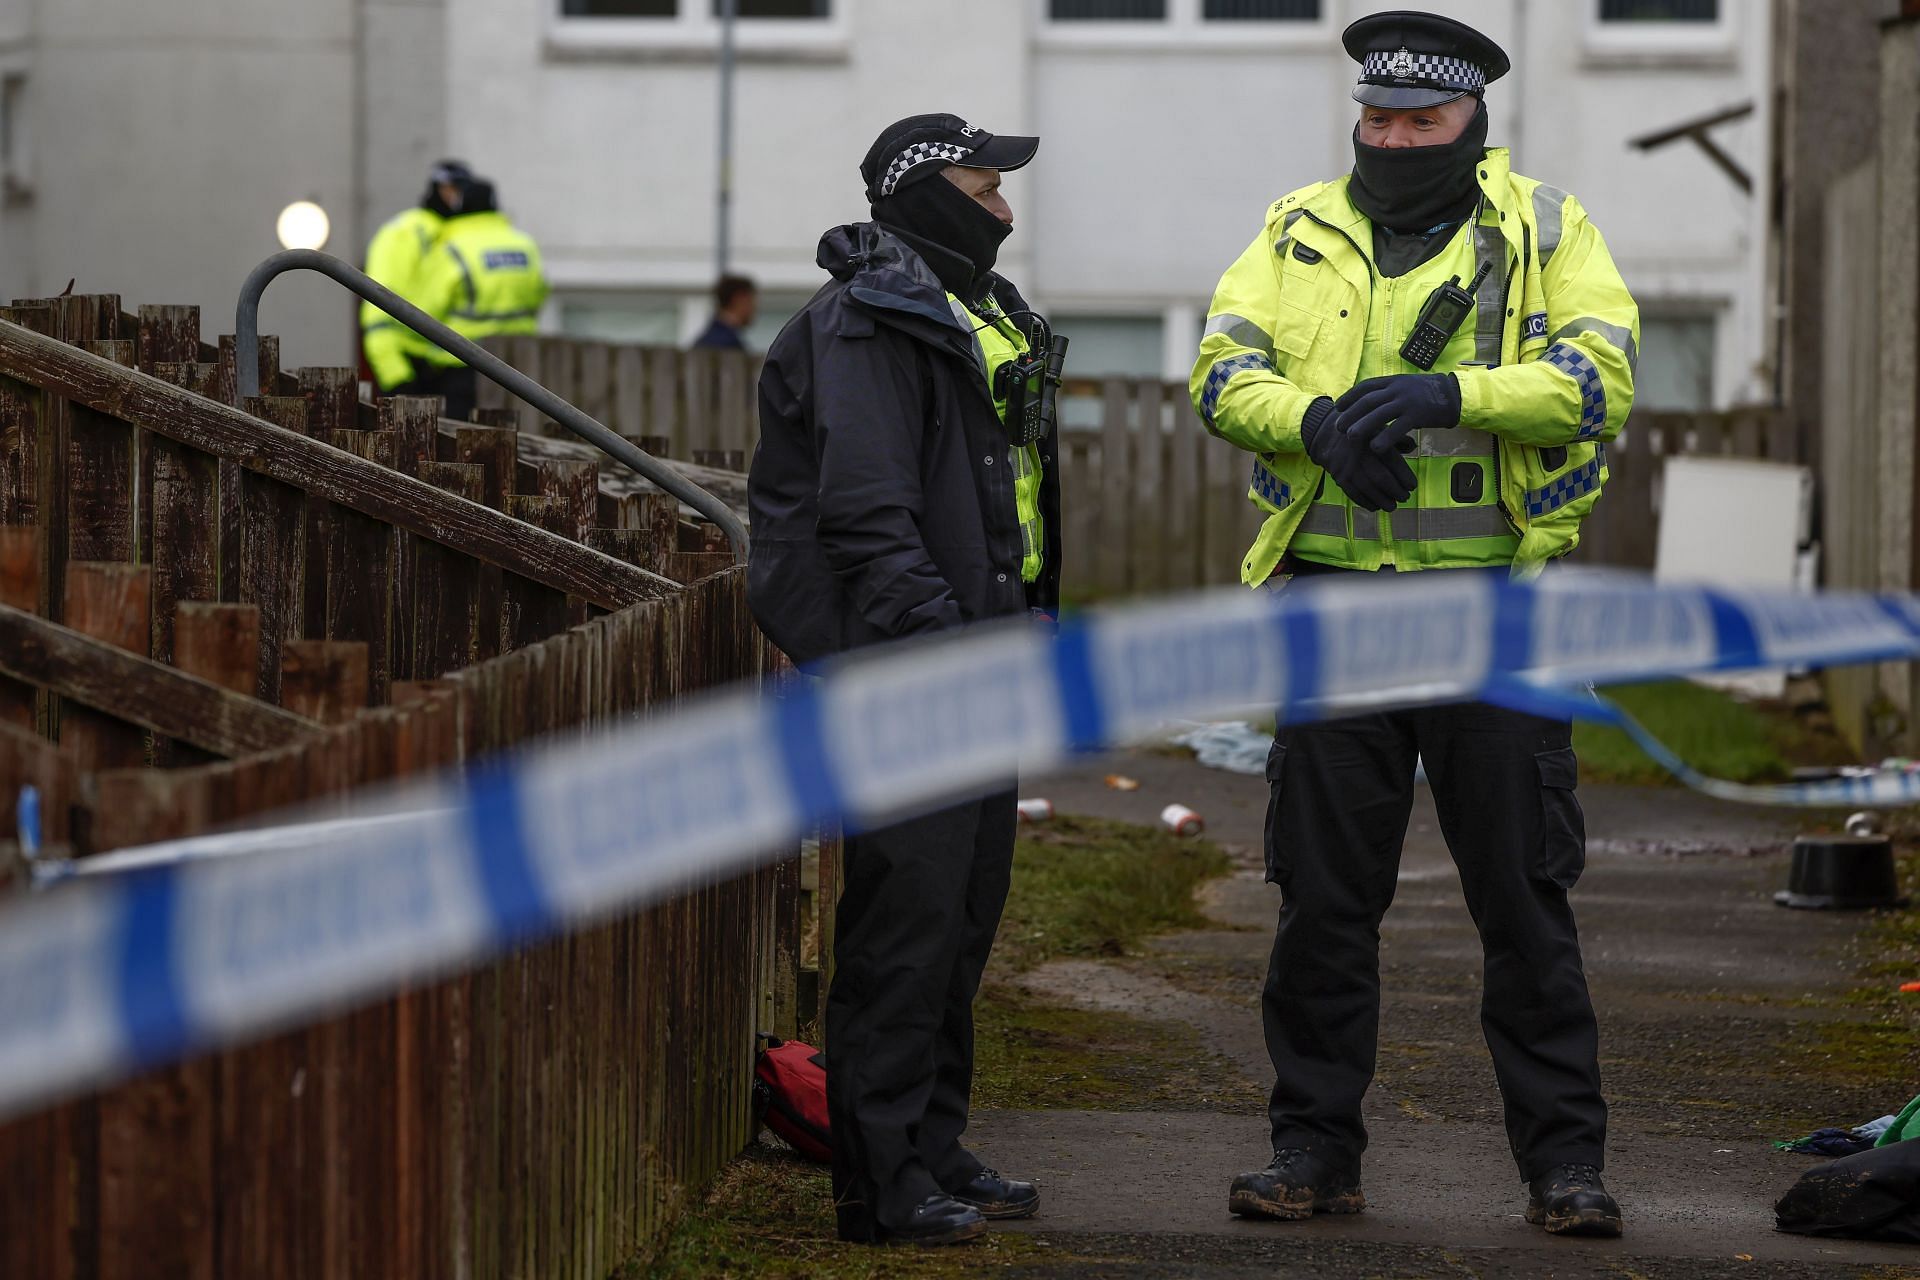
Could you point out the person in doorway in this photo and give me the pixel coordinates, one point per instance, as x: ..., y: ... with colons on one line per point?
x: 1425, y: 358
x: 735, y: 302
x: 395, y: 257
x: 483, y: 279
x: 890, y: 497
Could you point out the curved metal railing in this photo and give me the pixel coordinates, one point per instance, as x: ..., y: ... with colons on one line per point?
x: 246, y: 330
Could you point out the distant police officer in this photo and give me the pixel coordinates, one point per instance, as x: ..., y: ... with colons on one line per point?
x: 897, y: 491
x: 395, y: 256
x: 483, y: 279
x: 1425, y: 358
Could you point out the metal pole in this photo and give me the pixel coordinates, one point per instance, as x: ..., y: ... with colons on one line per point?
x: 723, y: 200
x: 246, y: 329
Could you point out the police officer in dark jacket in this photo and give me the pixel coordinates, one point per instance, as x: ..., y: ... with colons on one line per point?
x: 888, y: 500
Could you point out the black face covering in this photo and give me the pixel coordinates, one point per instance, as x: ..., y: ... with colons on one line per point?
x: 964, y: 237
x: 431, y: 200
x: 1418, y: 188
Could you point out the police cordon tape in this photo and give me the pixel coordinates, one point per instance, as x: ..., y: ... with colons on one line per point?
x: 103, y: 975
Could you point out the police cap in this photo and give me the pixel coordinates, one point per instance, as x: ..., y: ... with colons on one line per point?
x: 1412, y: 59
x: 920, y: 146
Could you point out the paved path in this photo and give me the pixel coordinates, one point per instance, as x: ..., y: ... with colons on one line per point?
x: 1698, y: 978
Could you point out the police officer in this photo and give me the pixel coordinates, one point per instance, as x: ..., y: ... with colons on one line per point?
x: 1425, y: 359
x: 395, y: 256
x: 482, y: 279
x: 890, y: 498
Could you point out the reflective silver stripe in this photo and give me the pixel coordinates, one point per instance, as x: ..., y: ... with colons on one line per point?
x: 1548, y: 202
x: 1622, y: 339
x: 1326, y: 518
x: 1455, y: 442
x: 1489, y: 246
x: 1433, y: 524
x: 473, y: 298
x: 495, y: 315
x: 1242, y: 331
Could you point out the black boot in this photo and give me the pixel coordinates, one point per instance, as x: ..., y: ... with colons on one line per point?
x: 998, y: 1197
x: 939, y: 1219
x: 1571, y: 1200
x: 1296, y: 1185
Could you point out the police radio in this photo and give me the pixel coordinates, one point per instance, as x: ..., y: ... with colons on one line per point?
x: 1439, y: 318
x: 1030, y: 384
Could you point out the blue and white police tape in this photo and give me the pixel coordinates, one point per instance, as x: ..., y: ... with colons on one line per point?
x: 102, y: 975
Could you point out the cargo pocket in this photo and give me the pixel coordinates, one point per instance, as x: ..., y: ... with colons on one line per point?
x: 1279, y: 870
x: 1563, y: 839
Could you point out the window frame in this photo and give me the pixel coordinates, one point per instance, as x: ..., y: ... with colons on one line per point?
x: 16, y: 131
x: 693, y: 35
x: 1617, y: 43
x: 1182, y: 30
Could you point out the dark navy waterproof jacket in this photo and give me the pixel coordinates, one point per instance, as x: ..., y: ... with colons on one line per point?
x: 881, y: 494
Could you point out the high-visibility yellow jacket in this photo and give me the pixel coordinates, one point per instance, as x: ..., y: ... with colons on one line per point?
x: 1555, y: 338
x: 483, y: 278
x: 395, y: 256
x: 998, y: 342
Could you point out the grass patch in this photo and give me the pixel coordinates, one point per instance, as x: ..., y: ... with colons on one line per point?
x: 1710, y: 730
x: 770, y: 1213
x: 1089, y: 887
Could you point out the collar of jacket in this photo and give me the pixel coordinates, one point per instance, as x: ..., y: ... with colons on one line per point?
x: 1323, y: 218
x: 885, y: 276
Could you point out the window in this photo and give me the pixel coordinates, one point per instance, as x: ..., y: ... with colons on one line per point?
x: 649, y: 319
x: 16, y: 186
x: 1112, y: 346
x: 1659, y: 10
x: 1676, y: 363
x: 1107, y: 10
x: 672, y: 8
x: 1261, y: 10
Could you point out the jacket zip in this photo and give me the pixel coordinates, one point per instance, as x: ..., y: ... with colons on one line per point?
x: 1506, y: 298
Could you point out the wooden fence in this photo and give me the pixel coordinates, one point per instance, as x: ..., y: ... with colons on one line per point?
x: 1151, y: 501
x: 209, y: 612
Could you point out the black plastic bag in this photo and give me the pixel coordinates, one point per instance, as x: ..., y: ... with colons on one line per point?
x: 1873, y: 1195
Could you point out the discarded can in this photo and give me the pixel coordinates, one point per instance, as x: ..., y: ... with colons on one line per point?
x: 1035, y: 810
x: 1911, y: 988
x: 1121, y: 782
x: 1182, y: 821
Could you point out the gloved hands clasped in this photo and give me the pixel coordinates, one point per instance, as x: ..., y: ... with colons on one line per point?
x: 1360, y: 441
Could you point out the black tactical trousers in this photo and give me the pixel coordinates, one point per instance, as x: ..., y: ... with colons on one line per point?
x: 918, y: 911
x: 1340, y: 796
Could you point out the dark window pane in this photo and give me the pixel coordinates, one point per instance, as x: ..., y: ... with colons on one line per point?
x: 1659, y: 10
x: 1261, y: 10
x: 1107, y: 10
x: 619, y: 8
x: 779, y: 8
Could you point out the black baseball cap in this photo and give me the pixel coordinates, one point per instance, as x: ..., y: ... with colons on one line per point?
x: 1412, y: 59
x: 920, y: 146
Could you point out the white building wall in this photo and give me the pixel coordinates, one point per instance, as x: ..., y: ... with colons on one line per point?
x: 167, y: 138
x: 1162, y: 144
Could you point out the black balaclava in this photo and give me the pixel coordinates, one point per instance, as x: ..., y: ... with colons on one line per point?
x: 1419, y: 188
x: 454, y: 172
x: 963, y: 237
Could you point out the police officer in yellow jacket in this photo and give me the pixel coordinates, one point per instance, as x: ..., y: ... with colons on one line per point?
x: 483, y: 279
x: 1425, y: 359
x: 395, y: 256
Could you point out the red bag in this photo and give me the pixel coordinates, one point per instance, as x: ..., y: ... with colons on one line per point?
x: 790, y: 1088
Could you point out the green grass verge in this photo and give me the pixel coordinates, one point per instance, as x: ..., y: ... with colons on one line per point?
x: 1712, y: 731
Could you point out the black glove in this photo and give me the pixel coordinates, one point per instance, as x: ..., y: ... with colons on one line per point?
x: 1375, y: 483
x: 1380, y: 413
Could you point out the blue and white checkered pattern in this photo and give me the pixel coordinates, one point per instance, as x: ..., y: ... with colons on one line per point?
x: 1270, y: 486
x: 1426, y: 70
x: 1561, y: 490
x: 1579, y: 366
x: 918, y: 154
x: 1222, y: 373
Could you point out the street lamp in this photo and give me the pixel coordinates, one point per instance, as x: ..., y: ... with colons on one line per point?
x: 303, y: 225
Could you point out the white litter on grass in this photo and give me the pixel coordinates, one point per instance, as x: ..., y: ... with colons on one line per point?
x: 1238, y: 747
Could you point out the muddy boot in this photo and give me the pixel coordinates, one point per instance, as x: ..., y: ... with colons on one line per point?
x: 997, y: 1197
x: 1570, y: 1200
x: 1296, y: 1185
x: 937, y: 1220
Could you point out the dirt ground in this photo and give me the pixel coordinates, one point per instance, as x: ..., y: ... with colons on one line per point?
x: 1725, y: 1022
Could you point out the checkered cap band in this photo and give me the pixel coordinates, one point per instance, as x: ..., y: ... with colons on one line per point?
x: 918, y: 154
x: 1432, y: 70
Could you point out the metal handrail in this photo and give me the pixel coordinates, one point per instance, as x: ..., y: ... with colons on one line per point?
x: 246, y: 329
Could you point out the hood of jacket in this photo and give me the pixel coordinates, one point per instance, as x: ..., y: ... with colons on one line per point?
x: 885, y: 276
